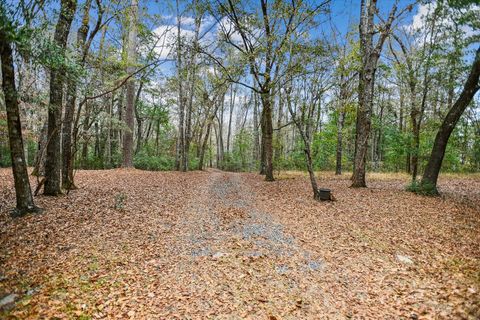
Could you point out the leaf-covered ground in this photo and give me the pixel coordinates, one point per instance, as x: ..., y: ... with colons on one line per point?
x: 217, y: 245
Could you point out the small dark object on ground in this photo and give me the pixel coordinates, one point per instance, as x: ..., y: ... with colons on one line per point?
x: 326, y: 195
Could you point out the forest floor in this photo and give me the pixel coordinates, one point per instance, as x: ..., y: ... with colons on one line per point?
x: 216, y: 245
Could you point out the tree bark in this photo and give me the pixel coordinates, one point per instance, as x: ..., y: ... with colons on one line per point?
x: 67, y: 150
x: 23, y: 191
x: 370, y: 54
x: 340, y: 122
x: 304, y: 127
x: 432, y: 170
x: 256, y: 142
x: 57, y: 79
x: 221, y: 149
x: 267, y: 135
x: 130, y: 103
x: 209, y: 122
x: 180, y: 160
x: 192, y: 79
x: 233, y: 93
x: 39, y: 167
x: 139, y: 119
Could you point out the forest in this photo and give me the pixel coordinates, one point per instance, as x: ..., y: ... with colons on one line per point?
x: 240, y: 159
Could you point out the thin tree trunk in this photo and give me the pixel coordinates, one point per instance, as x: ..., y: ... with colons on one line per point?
x: 220, y: 136
x: 305, y: 134
x: 256, y: 142
x: 39, y: 167
x: 204, y: 147
x: 108, y: 142
x: 340, y: 122
x: 262, y: 143
x: 209, y: 121
x: 279, y: 138
x: 233, y: 93
x: 139, y: 119
x: 86, y: 122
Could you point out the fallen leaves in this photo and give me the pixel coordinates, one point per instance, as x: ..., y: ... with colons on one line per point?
x: 150, y: 245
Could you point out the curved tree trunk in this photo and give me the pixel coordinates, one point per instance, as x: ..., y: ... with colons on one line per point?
x: 432, y: 170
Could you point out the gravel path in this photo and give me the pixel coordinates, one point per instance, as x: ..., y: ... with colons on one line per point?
x: 261, y: 270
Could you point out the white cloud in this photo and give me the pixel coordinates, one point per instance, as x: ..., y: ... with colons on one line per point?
x: 419, y: 19
x: 227, y: 27
x: 167, y: 39
x: 424, y: 11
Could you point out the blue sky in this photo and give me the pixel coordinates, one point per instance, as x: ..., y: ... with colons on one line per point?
x: 343, y: 12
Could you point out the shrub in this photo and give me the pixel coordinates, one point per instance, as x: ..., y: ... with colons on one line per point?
x: 153, y: 163
x: 424, y: 189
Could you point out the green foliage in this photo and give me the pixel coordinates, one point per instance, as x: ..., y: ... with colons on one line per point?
x: 324, y: 147
x: 424, y: 189
x: 5, y: 159
x: 396, y: 146
x: 240, y: 159
x: 154, y: 163
x: 93, y: 162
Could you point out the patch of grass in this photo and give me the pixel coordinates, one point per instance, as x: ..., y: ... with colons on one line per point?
x: 424, y: 189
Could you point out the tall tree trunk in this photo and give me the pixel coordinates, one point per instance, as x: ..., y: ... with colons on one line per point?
x: 130, y: 105
x: 256, y: 142
x: 23, y: 192
x: 430, y: 177
x: 279, y: 135
x: 233, y: 93
x: 262, y: 143
x: 86, y: 124
x: 304, y: 127
x: 57, y: 79
x: 217, y: 145
x: 370, y: 54
x: 191, y: 79
x: 139, y: 119
x: 209, y: 122
x: 221, y: 150
x: 39, y: 167
x: 267, y: 134
x: 108, y: 142
x: 97, y: 140
x: 180, y: 160
x: 67, y: 150
x: 204, y: 146
x: 340, y: 122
